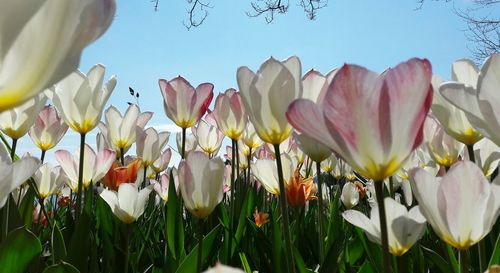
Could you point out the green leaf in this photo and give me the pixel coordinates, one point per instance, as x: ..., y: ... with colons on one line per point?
x: 436, y: 259
x: 366, y: 268
x: 495, y: 257
x: 188, y: 265
x: 79, y: 246
x: 18, y: 249
x: 299, y: 262
x: 58, y: 246
x: 277, y: 242
x: 61, y: 268
x: 244, y: 263
x: 354, y: 251
x: 241, y: 225
x: 175, y: 226
x: 26, y: 207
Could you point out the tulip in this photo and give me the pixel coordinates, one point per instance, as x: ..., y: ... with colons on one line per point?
x: 350, y: 195
x: 420, y: 158
x: 300, y: 190
x: 161, y: 163
x: 476, y: 94
x: 251, y: 138
x: 260, y: 218
x: 149, y: 145
x: 81, y: 98
x: 229, y: 112
x: 266, y: 173
x: 209, y: 136
x: 224, y: 269
x: 443, y: 149
x: 118, y: 174
x: 121, y: 130
x: 190, y: 143
x: 128, y: 203
x: 314, y: 149
x: 453, y: 119
x: 48, y: 129
x: 95, y: 166
x: 184, y: 104
x: 17, y: 121
x: 487, y: 155
x: 461, y: 207
x: 42, y: 42
x: 405, y: 227
x: 267, y: 94
x: 14, y: 174
x: 49, y: 180
x: 329, y: 164
x: 372, y: 121
x: 201, y: 180
x: 161, y: 187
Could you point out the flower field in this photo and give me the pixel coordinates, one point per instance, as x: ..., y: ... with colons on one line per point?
x: 349, y: 170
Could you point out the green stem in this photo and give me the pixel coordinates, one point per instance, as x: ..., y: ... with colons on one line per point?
x: 128, y: 229
x: 42, y: 156
x: 249, y: 159
x: 7, y: 204
x: 480, y: 246
x: 284, y: 212
x: 13, y: 149
x: 80, y: 177
x: 144, y: 176
x: 463, y: 258
x: 232, y: 207
x: 122, y: 156
x: 199, y: 262
x: 470, y: 150
x: 391, y: 187
x: 236, y: 154
x: 320, y: 213
x: 183, y: 147
x: 379, y: 191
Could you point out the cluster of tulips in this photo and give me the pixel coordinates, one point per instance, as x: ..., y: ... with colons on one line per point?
x: 310, y: 157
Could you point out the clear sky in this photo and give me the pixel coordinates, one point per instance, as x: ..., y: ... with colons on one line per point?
x: 142, y: 45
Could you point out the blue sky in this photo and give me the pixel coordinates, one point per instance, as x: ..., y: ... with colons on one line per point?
x: 142, y: 45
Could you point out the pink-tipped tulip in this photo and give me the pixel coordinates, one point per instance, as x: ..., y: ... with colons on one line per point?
x: 95, y: 166
x: 201, y: 181
x: 444, y: 149
x: 461, y: 206
x: 230, y: 114
x: 208, y: 135
x: 14, y: 174
x: 453, y: 119
x: 184, y: 104
x: 81, y: 98
x: 161, y: 163
x: 477, y: 94
x: 17, y: 121
x: 42, y: 42
x: 149, y: 144
x: 373, y: 121
x: 267, y: 94
x: 48, y: 129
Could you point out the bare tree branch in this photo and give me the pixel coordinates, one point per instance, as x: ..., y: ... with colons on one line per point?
x: 311, y: 7
x: 268, y: 8
x: 483, y: 27
x: 194, y: 19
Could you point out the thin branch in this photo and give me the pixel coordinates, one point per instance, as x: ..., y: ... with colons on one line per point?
x: 311, y: 7
x: 195, y: 20
x: 269, y: 8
